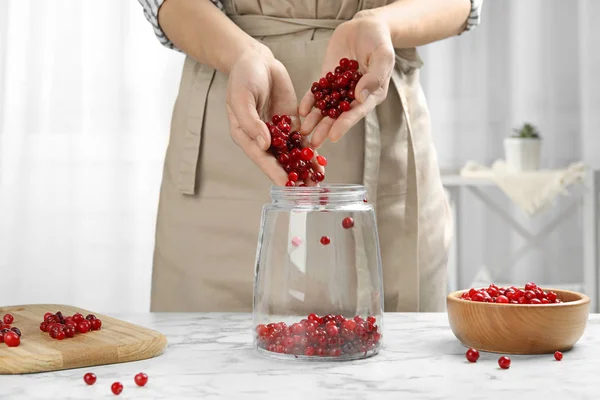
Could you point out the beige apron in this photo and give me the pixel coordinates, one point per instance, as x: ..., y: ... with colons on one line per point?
x: 212, y: 194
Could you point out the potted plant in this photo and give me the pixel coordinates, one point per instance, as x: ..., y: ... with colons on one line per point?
x: 522, y: 150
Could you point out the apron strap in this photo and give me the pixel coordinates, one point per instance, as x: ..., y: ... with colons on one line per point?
x: 264, y: 25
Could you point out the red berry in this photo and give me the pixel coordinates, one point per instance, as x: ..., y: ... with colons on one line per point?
x: 60, y: 335
x: 117, y: 388
x: 353, y: 65
x: 535, y: 301
x: 350, y: 325
x: 307, y: 154
x: 44, y: 327
x: 371, y: 319
x: 83, y: 327
x: 530, y: 286
x: 309, y: 351
x: 8, y: 319
x: 504, y: 362
x: 331, y: 329
x: 315, y: 87
x: 276, y: 118
x: 12, y: 339
x: 324, y: 83
x: 356, y: 75
x: 325, y: 240
x: 141, y: 379
x: 351, y: 94
x: 335, y: 352
x: 90, y: 317
x: 472, y: 355
x: 344, y: 63
x: 551, y: 296
x: 96, y: 325
x: 314, y: 318
x: 347, y: 223
x: 344, y: 106
x: 298, y: 329
x: 478, y: 297
x: 322, y: 161
x: 333, y: 113
x: 89, y: 378
x: 47, y: 315
x: 290, y: 183
x: 77, y: 318
x: 502, y: 299
x: 558, y: 355
x: 293, y: 176
x: 70, y: 330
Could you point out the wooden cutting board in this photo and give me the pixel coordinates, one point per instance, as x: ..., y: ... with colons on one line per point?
x: 117, y: 342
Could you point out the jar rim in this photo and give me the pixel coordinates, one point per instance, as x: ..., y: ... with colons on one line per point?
x: 334, y: 192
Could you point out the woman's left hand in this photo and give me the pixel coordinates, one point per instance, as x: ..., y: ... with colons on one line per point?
x: 366, y: 38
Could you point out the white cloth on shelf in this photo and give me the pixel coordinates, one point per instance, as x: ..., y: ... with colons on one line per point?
x: 530, y: 190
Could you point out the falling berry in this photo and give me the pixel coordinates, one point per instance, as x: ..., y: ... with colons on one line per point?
x: 296, y: 241
x: 504, y: 362
x: 89, y: 378
x: 472, y: 355
x: 348, y: 223
x: 325, y: 240
x: 558, y: 355
x: 322, y: 161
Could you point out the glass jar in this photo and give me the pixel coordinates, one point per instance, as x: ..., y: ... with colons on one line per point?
x: 318, y: 290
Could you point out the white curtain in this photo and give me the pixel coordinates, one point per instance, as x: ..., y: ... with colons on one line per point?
x: 86, y: 94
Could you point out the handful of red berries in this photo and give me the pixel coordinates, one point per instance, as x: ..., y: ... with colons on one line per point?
x: 333, y: 95
x: 532, y: 294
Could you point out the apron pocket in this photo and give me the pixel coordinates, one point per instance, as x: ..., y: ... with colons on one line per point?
x: 190, y: 149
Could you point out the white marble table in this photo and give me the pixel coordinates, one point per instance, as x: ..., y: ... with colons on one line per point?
x: 210, y: 357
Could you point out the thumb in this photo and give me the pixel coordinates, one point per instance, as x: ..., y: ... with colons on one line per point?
x: 379, y: 69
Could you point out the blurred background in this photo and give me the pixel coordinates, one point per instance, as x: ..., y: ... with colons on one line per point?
x: 86, y: 94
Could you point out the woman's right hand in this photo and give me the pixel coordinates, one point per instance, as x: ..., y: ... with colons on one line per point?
x: 258, y: 88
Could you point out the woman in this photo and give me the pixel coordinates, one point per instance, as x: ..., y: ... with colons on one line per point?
x: 246, y: 61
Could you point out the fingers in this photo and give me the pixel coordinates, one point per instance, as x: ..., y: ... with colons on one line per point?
x: 265, y: 161
x: 377, y: 77
x: 321, y: 132
x: 350, y: 118
x: 306, y: 104
x: 243, y: 107
x: 283, y: 95
x: 311, y: 121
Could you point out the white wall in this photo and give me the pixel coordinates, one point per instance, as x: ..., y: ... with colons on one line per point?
x: 85, y: 100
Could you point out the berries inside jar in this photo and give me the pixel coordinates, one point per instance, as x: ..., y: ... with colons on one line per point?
x: 321, y: 336
x: 530, y: 294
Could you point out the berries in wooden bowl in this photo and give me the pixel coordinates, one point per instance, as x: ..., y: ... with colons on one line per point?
x: 522, y: 325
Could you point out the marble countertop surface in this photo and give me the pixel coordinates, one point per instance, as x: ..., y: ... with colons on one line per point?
x: 210, y: 356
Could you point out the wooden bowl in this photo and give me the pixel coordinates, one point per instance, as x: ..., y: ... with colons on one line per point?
x: 519, y: 328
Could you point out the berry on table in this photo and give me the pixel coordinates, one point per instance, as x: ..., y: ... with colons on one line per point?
x: 472, y: 355
x: 116, y: 388
x: 504, y: 362
x: 141, y: 379
x: 12, y: 339
x: 89, y: 378
x: 558, y: 355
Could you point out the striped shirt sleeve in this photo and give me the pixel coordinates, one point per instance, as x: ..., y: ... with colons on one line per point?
x: 474, y: 15
x: 151, y: 8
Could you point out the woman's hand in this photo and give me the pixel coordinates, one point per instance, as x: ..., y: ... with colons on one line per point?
x: 259, y: 87
x: 366, y: 38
